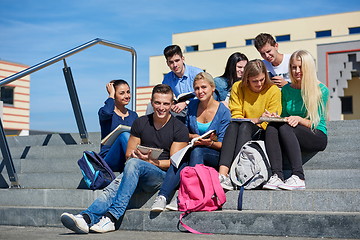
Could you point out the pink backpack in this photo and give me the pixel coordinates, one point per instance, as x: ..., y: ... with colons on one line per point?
x: 200, y: 190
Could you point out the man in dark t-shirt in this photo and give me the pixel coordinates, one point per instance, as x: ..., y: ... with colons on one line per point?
x: 157, y: 130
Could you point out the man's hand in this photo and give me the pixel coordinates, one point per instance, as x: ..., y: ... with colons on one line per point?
x: 279, y: 81
x: 178, y: 107
x: 143, y: 156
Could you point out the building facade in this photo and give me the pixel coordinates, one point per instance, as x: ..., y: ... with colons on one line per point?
x: 15, y: 100
x: 210, y: 49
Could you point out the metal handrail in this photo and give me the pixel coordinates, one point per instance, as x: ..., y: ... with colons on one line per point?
x: 73, y: 51
x: 77, y: 110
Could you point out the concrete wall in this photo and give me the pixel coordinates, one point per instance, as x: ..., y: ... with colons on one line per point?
x: 301, y: 30
x: 353, y: 90
x: 335, y: 70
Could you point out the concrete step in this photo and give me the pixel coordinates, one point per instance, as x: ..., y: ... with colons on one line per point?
x: 343, y: 145
x: 62, y: 180
x: 52, y: 139
x: 338, y: 144
x: 338, y: 125
x: 319, y: 200
x: 249, y: 222
x: 332, y: 178
x: 56, y: 164
x: 335, y: 128
x: 334, y: 160
x: 346, y: 133
x: 52, y: 152
x: 71, y: 178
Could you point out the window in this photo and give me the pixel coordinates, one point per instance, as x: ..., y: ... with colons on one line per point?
x: 326, y: 33
x: 249, y: 42
x: 354, y: 30
x: 283, y: 38
x: 7, y: 95
x: 346, y: 105
x: 219, y: 45
x: 192, y: 48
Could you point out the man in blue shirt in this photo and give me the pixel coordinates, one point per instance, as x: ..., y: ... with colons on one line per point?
x: 181, y: 77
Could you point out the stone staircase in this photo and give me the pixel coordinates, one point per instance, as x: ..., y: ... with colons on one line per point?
x: 52, y: 183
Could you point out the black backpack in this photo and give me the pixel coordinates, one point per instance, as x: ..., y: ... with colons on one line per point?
x: 97, y: 174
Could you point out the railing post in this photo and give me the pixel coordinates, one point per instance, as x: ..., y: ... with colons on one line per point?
x: 75, y: 104
x: 7, y: 158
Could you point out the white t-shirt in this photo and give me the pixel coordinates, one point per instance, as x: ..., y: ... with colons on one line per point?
x: 281, y: 70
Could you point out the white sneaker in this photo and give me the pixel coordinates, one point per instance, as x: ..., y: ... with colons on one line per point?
x: 225, y: 182
x: 103, y: 226
x: 75, y: 223
x: 293, y: 183
x: 273, y: 183
x: 173, y: 205
x: 159, y: 204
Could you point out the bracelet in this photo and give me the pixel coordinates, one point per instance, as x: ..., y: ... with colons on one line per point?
x: 212, y: 143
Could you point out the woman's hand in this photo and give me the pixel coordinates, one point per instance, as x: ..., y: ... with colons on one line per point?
x: 111, y: 90
x: 193, y: 135
x: 255, y: 120
x: 294, y: 120
x: 269, y: 114
x: 208, y: 142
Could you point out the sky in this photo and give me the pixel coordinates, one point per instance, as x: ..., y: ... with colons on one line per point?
x: 32, y: 31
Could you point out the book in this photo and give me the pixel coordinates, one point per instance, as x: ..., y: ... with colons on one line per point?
x: 111, y: 137
x: 272, y: 119
x: 184, y: 97
x: 179, y: 155
x: 241, y: 120
x: 155, y: 152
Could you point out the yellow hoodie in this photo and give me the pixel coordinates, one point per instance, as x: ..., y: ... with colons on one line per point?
x: 244, y: 103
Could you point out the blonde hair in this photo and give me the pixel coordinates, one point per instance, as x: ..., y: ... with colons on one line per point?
x: 254, y: 68
x: 310, y: 89
x: 204, y: 76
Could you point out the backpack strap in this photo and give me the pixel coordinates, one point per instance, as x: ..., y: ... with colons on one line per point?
x: 214, y: 177
x: 184, y: 214
x: 264, y: 155
x: 219, y: 191
x: 103, y: 164
x: 240, y: 198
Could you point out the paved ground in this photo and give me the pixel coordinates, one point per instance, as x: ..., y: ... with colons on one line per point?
x: 35, y: 233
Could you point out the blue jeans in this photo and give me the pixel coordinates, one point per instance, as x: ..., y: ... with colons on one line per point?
x: 115, y: 157
x: 198, y: 155
x: 138, y: 175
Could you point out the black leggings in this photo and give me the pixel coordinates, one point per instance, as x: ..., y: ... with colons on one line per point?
x: 292, y: 140
x: 236, y: 135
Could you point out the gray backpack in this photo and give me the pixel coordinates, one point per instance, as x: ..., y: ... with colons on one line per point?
x: 251, y: 168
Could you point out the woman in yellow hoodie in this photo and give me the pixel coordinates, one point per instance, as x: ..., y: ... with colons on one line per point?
x: 251, y: 98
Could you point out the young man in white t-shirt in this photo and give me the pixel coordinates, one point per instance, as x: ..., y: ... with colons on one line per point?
x: 276, y: 63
